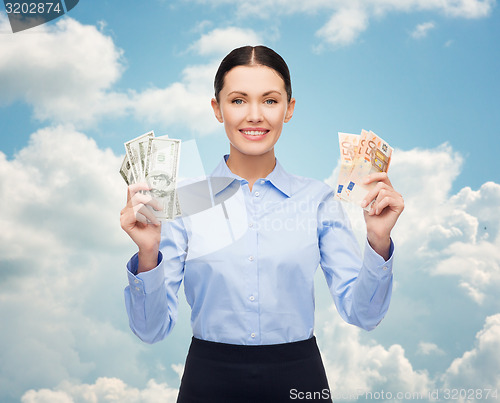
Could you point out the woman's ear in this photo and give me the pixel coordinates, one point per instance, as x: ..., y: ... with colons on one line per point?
x: 289, y: 110
x: 217, y: 111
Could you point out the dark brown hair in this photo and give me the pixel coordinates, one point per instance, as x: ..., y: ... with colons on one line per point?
x: 249, y: 56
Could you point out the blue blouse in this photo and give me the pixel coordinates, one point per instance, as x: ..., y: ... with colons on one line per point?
x: 248, y: 262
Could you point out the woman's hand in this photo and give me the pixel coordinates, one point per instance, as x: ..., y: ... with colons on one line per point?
x: 384, y: 212
x: 134, y: 221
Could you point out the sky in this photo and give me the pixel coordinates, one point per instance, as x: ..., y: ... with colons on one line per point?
x: 422, y: 74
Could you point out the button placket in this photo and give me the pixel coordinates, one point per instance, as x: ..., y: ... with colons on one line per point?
x: 252, y: 287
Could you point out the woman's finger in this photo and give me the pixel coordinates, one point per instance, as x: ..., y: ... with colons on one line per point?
x: 388, y: 199
x: 140, y: 198
x: 139, y: 217
x: 134, y: 188
x: 379, y: 205
x: 142, y: 210
x: 377, y: 177
x: 373, y: 194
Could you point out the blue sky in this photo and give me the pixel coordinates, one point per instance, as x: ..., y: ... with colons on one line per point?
x: 422, y: 74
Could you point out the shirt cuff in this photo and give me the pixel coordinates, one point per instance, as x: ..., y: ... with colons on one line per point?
x: 376, y: 263
x: 147, y: 281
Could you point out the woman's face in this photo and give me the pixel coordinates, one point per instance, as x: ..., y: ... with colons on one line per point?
x: 253, y: 107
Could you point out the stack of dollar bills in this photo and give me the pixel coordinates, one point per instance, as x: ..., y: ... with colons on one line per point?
x: 155, y: 161
x: 360, y: 155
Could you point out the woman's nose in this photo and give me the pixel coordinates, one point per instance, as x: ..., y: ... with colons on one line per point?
x: 254, y: 113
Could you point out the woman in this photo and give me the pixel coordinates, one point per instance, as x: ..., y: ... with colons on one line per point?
x: 252, y: 301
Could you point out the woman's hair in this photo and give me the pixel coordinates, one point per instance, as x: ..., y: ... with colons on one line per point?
x: 253, y: 56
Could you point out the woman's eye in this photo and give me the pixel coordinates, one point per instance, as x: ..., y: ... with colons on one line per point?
x: 237, y: 101
x: 270, y: 101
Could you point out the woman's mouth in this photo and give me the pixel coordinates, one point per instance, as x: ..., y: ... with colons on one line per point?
x: 254, y: 134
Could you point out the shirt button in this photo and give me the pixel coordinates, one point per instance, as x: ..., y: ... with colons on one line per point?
x: 257, y: 194
x: 253, y: 335
x: 136, y: 281
x: 262, y: 182
x: 137, y: 289
x: 250, y: 225
x: 250, y: 258
x: 252, y: 298
x: 385, y: 267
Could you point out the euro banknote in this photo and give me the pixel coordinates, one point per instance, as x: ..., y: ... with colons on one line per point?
x: 371, y: 154
x: 348, y: 144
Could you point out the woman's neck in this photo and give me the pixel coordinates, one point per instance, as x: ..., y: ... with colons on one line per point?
x: 251, y: 167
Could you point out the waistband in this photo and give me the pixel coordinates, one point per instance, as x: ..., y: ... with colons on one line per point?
x: 269, y: 353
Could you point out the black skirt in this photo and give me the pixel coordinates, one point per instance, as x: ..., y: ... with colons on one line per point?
x: 229, y: 373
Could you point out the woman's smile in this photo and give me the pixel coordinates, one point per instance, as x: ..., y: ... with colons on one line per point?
x: 254, y: 134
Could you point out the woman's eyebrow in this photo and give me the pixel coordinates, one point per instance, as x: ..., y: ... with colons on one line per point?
x: 238, y: 92
x: 265, y: 94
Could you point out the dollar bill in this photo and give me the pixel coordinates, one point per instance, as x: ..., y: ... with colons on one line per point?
x: 155, y: 161
x: 348, y: 144
x: 126, y: 171
x: 373, y: 155
x: 161, y: 171
x: 136, y: 152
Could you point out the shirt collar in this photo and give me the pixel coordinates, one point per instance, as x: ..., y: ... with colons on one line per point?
x: 279, y: 178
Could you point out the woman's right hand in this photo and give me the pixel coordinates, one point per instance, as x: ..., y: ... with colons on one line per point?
x: 134, y: 221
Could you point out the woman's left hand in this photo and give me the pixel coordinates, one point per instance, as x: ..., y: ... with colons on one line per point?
x: 385, y: 210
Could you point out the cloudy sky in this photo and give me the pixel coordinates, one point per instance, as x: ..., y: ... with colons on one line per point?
x: 423, y: 74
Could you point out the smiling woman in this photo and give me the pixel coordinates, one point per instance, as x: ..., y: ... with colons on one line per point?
x: 253, y: 301
x: 253, y: 106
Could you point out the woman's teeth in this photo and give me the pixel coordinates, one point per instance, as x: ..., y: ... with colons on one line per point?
x: 253, y: 132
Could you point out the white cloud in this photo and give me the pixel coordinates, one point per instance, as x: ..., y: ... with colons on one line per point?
x: 479, y: 367
x: 421, y: 30
x: 465, y: 236
x: 64, y: 70
x: 60, y: 174
x: 62, y: 259
x: 453, y: 235
x: 104, y: 390
x: 355, y: 368
x: 437, y: 169
x: 425, y: 348
x: 344, y: 26
x: 185, y: 103
x: 347, y: 19
x: 468, y: 8
x: 359, y: 370
x: 221, y: 41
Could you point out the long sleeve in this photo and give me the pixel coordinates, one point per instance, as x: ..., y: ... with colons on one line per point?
x: 360, y: 286
x: 151, y: 298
